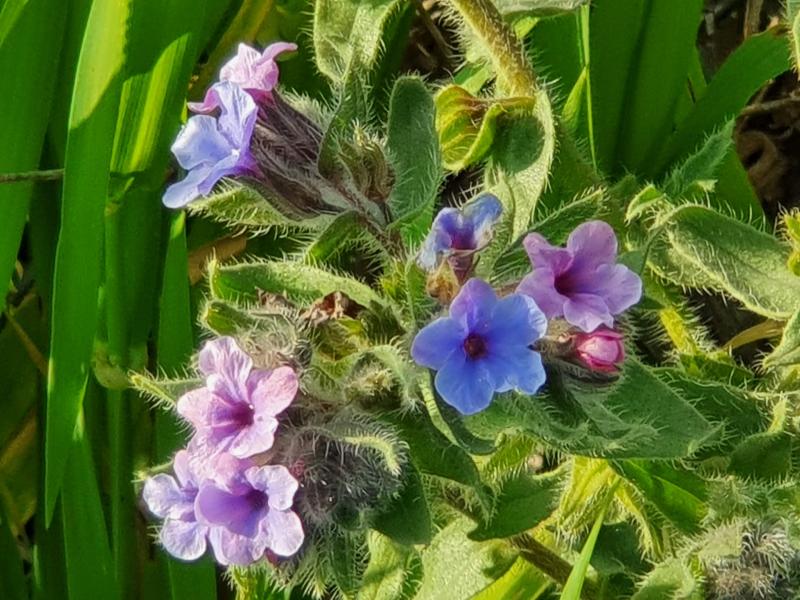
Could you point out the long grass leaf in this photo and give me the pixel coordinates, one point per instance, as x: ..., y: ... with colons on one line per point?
x: 90, y: 137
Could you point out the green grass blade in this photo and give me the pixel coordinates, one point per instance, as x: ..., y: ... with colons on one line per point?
x: 574, y: 585
x: 28, y: 78
x: 92, y: 121
x: 175, y: 345
x: 12, y: 576
x: 760, y: 58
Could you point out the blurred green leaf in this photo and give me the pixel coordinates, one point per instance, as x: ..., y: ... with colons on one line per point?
x: 407, y: 520
x: 765, y: 456
x: 13, y: 584
x: 392, y: 572
x: 521, y: 582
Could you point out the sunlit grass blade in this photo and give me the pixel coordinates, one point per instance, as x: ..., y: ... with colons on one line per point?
x: 28, y: 82
x: 92, y: 121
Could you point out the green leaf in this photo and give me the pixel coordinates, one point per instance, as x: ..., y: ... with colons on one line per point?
x: 703, y: 165
x: 670, y: 579
x: 466, y: 125
x: 574, y: 585
x: 763, y: 456
x: 299, y: 282
x: 407, y: 520
x: 757, y: 60
x: 455, y: 568
x: 391, y: 572
x: 705, y: 249
x: 92, y: 120
x: 350, y: 32
x: 414, y: 151
x: 28, y: 85
x: 520, y: 161
x: 522, y: 502
x: 787, y: 352
x: 521, y: 581
x: 164, y: 391
x: 539, y: 8
x: 678, y: 494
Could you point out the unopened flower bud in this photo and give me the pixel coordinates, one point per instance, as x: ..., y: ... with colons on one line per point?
x: 600, y: 350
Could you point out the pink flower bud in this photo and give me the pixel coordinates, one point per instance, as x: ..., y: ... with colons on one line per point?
x: 601, y: 350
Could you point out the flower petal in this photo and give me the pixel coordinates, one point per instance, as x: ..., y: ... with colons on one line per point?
x: 236, y: 512
x: 285, y: 532
x: 466, y: 385
x: 180, y: 193
x: 620, y: 287
x: 224, y: 358
x: 543, y: 255
x: 593, y: 243
x: 473, y: 306
x: 587, y: 312
x: 164, y: 497
x: 519, y: 368
x: 237, y: 119
x: 254, y: 439
x: 540, y: 285
x: 195, y: 406
x: 435, y: 342
x: 200, y: 142
x: 183, y: 539
x: 209, y: 104
x: 233, y: 549
x: 272, y: 391
x: 515, y: 321
x: 481, y: 215
x: 182, y: 467
x: 277, y: 482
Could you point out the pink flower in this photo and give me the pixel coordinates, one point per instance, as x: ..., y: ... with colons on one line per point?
x: 235, y: 411
x: 601, y: 350
x: 253, y: 71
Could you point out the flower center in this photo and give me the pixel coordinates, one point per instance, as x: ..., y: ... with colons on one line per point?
x: 564, y: 284
x: 475, y: 346
x: 256, y: 500
x: 244, y: 415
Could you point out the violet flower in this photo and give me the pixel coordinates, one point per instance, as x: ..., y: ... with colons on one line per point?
x: 172, y: 499
x: 460, y: 232
x: 235, y: 411
x: 581, y: 282
x: 255, y: 72
x: 600, y: 350
x: 211, y: 148
x: 483, y: 347
x: 252, y: 514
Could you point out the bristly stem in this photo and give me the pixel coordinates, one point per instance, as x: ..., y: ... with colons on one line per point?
x: 549, y: 563
x: 46, y: 175
x: 514, y: 71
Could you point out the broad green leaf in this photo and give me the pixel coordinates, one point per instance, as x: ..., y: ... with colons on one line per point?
x: 670, y: 579
x: 766, y: 456
x: 517, y: 174
x: 92, y: 119
x: 757, y: 60
x: 414, y: 151
x: 522, y: 502
x: 521, y: 581
x: 407, y: 520
x: 678, y: 494
x: 466, y: 125
x: 706, y: 249
x: 391, y: 572
x: 334, y: 238
x: 351, y: 32
x: 28, y: 83
x: 787, y: 352
x: 574, y: 585
x: 618, y: 550
x: 455, y: 568
x: 299, y: 282
x: 539, y: 8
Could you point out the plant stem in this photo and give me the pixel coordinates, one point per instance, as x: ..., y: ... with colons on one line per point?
x: 514, y: 72
x: 549, y: 563
x: 46, y: 175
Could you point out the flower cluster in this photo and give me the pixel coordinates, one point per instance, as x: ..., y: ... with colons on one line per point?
x: 212, y: 147
x: 223, y: 492
x: 488, y: 345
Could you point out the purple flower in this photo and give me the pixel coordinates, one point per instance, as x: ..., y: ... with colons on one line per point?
x: 235, y: 411
x: 172, y: 499
x: 251, y: 514
x: 601, y: 350
x: 460, y: 232
x: 256, y: 73
x: 581, y: 282
x: 483, y: 347
x: 211, y: 148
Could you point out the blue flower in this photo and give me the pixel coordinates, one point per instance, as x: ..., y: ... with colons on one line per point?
x: 483, y: 347
x: 211, y: 148
x: 461, y: 231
